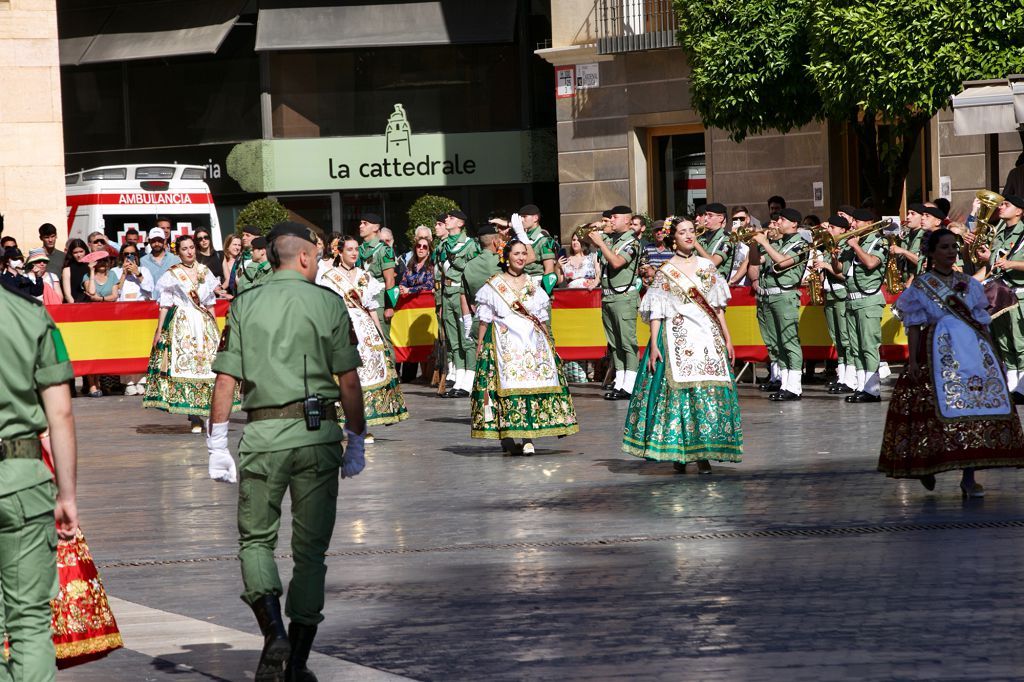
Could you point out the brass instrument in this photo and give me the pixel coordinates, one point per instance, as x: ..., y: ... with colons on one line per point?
x: 984, y: 230
x: 744, y: 235
x: 583, y: 231
x: 893, y: 276
x: 823, y: 241
x: 816, y: 287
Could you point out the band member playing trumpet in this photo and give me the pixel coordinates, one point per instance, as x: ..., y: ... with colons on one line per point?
x: 780, y: 269
x: 834, y: 288
x: 910, y: 250
x: 1006, y: 263
x: 714, y: 244
x: 864, y: 267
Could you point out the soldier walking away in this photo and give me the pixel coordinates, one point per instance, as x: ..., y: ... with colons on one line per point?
x: 287, y: 340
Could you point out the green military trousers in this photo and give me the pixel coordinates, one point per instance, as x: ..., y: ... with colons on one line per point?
x: 461, y: 351
x: 1008, y: 335
x: 619, y: 313
x: 838, y: 328
x: 310, y: 475
x: 385, y: 324
x: 865, y: 331
x: 28, y: 580
x: 782, y: 318
x: 768, y: 333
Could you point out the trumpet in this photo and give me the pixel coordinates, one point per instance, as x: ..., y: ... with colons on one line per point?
x: 743, y: 235
x: 583, y: 231
x: 985, y: 231
x: 823, y: 241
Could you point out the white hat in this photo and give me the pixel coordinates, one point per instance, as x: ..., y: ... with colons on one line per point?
x: 156, y: 233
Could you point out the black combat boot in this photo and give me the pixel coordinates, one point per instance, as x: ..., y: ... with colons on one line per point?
x: 275, y: 639
x: 301, y: 637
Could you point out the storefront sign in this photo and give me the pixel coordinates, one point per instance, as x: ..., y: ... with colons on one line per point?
x: 397, y: 159
x: 588, y: 76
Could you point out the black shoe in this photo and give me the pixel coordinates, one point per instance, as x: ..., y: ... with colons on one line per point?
x: 608, y: 388
x: 853, y: 398
x: 621, y: 394
x: 612, y: 394
x: 928, y: 481
x: 784, y: 396
x: 301, y: 638
x: 840, y: 389
x: 862, y: 397
x: 276, y: 647
x: 457, y: 393
x: 770, y: 387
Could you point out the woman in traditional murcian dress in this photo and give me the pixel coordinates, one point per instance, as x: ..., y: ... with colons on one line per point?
x: 951, y: 408
x: 519, y: 390
x: 383, y: 401
x: 179, y: 379
x: 684, y: 407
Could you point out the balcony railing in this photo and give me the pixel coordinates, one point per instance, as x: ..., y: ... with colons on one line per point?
x: 635, y: 25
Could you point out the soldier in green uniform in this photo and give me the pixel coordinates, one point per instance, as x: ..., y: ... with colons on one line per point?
x: 541, y: 264
x: 378, y: 259
x: 454, y: 253
x: 864, y: 267
x: 255, y: 270
x: 620, y: 299
x: 714, y: 244
x: 834, y: 289
x: 1006, y: 262
x: 909, y: 252
x: 477, y: 271
x: 291, y: 345
x: 33, y: 394
x: 780, y: 270
x: 755, y: 272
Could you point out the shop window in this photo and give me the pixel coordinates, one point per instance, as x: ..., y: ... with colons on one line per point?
x: 449, y: 88
x: 677, y: 171
x: 93, y: 106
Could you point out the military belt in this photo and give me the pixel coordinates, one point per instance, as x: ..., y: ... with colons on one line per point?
x: 292, y: 411
x: 28, y: 448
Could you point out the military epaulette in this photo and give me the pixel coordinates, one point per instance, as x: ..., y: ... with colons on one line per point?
x: 20, y: 294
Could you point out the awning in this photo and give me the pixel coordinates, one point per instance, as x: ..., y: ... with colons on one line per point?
x: 77, y: 30
x: 148, y: 30
x: 297, y: 25
x: 984, y: 107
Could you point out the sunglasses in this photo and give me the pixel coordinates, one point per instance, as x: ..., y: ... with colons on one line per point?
x: 98, y: 241
x: 203, y: 238
x: 421, y: 246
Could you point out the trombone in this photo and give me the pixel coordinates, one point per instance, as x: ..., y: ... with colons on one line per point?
x: 823, y: 241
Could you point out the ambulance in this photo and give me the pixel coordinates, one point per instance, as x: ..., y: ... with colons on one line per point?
x: 114, y: 199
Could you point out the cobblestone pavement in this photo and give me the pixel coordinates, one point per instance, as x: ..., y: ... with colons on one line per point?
x: 452, y: 562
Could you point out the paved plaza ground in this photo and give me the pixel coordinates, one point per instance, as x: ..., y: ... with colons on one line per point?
x: 452, y: 562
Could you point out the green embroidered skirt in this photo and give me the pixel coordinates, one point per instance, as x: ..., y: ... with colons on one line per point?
x: 517, y: 416
x: 177, y: 395
x: 385, y: 404
x: 674, y: 424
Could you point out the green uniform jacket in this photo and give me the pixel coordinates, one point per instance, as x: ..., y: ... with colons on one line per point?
x: 453, y: 255
x: 477, y: 272
x: 790, y: 277
x: 543, y: 248
x: 915, y: 245
x: 717, y: 243
x: 375, y: 257
x: 33, y: 358
x: 270, y: 330
x: 619, y: 281
x: 858, y: 278
x: 1006, y: 239
x: 251, y: 275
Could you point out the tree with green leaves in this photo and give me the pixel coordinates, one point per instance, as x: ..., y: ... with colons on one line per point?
x: 886, y: 67
x: 262, y: 213
x: 424, y: 211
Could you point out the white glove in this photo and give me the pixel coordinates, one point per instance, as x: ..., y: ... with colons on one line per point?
x: 222, y: 466
x: 467, y: 325
x: 354, y: 459
x: 517, y: 227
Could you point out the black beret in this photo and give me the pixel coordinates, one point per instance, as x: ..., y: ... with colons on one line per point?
x: 371, y: 218
x: 916, y: 208
x: 441, y: 217
x: 620, y: 210
x: 291, y: 229
x: 259, y: 243
x: 791, y: 214
x: 933, y: 211
x: 837, y: 220
x: 606, y: 214
x: 862, y: 214
x: 701, y: 210
x: 846, y: 208
x: 716, y: 208
x: 1014, y: 200
x: 459, y: 214
x: 47, y: 229
x: 249, y: 229
x: 529, y: 209
x: 486, y: 229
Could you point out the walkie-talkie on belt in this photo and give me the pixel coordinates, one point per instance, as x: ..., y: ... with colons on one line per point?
x: 312, y: 407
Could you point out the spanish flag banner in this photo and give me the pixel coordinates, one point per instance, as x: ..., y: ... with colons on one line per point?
x: 116, y: 338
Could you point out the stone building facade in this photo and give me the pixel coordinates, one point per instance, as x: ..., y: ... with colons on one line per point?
x: 31, y: 137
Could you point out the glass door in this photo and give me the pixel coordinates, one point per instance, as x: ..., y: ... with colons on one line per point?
x: 677, y: 170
